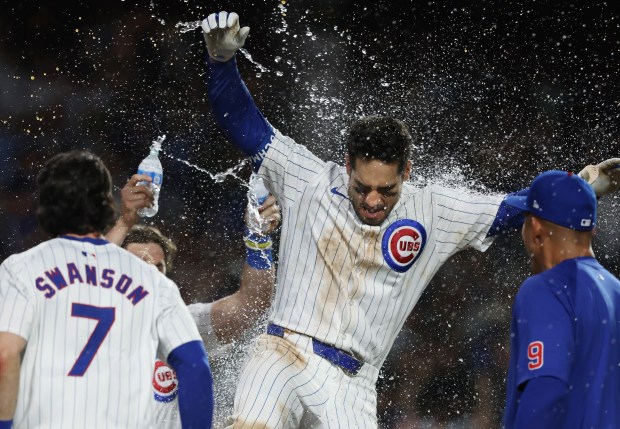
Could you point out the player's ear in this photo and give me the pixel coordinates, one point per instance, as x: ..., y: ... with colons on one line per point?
x: 538, y: 230
x: 347, y: 162
x: 407, y: 171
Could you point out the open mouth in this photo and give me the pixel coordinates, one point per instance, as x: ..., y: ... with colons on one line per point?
x: 375, y: 213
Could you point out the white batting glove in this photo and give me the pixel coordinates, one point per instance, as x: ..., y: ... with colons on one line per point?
x: 604, y: 177
x: 223, y: 35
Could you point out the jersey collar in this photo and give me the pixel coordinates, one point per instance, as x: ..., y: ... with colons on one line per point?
x: 95, y: 241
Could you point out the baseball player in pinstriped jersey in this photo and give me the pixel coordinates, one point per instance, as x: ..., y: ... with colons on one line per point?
x: 91, y: 317
x: 358, y: 246
x: 218, y: 322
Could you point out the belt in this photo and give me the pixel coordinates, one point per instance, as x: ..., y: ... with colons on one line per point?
x: 327, y: 352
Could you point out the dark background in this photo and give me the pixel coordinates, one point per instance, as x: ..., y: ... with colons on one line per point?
x: 493, y: 91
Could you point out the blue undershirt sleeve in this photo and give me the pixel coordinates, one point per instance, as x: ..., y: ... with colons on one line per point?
x: 508, y: 218
x: 235, y: 110
x: 190, y: 363
x: 541, y: 405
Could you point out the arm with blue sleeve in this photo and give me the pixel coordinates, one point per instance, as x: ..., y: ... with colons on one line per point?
x: 191, y: 365
x: 235, y: 110
x: 508, y: 218
x: 541, y: 404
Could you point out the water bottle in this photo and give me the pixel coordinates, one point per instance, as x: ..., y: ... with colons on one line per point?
x: 257, y: 195
x: 151, y: 166
x: 258, y: 188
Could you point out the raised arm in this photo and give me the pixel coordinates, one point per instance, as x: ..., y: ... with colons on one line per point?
x: 232, y: 104
x: 133, y: 198
x: 234, y: 314
x: 507, y: 217
x: 603, y: 177
x: 228, y: 318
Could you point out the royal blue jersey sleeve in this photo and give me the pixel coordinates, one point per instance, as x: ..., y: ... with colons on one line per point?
x: 543, y: 330
x: 541, y: 404
x: 235, y: 110
x: 508, y: 218
x: 196, y: 403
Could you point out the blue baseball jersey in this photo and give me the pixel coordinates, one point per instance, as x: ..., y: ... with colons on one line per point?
x: 565, y: 325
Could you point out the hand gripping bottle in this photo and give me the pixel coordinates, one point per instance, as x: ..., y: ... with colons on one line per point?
x: 257, y: 195
x: 152, y: 167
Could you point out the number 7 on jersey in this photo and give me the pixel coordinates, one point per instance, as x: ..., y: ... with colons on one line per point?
x: 105, y: 317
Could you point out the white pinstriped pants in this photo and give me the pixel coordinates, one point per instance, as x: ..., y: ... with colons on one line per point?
x: 285, y: 385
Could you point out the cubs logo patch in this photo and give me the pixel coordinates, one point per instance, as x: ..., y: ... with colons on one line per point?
x: 403, y: 243
x: 165, y: 386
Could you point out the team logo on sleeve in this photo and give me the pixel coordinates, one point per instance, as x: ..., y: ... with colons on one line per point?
x: 403, y: 243
x: 165, y: 387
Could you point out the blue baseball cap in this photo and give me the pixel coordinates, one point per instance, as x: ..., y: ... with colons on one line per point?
x: 559, y: 197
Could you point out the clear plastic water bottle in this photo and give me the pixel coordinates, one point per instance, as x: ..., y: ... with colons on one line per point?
x: 151, y: 166
x: 258, y: 187
x: 257, y: 195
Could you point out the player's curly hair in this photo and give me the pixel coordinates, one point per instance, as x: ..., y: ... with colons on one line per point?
x: 145, y: 234
x: 379, y: 137
x: 75, y: 195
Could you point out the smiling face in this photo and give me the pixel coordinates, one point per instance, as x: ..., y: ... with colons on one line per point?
x: 374, y: 188
x: 151, y: 253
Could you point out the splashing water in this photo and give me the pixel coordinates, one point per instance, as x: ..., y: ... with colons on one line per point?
x: 185, y: 27
x: 282, y: 8
x: 216, y: 177
x: 250, y: 59
x: 160, y: 139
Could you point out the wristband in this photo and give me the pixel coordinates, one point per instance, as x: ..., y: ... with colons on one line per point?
x: 258, y: 250
x: 6, y: 424
x: 259, y: 259
x: 255, y: 241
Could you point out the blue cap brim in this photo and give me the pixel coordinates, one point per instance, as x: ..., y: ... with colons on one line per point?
x: 517, y: 201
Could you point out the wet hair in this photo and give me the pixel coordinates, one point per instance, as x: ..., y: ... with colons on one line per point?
x: 144, y: 234
x: 75, y: 195
x: 379, y: 137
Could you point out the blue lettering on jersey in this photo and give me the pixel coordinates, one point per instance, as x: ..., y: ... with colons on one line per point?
x: 403, y: 243
x: 49, y: 291
x: 108, y: 276
x: 76, y: 275
x: 123, y: 283
x: 91, y: 275
x: 137, y: 294
x: 56, y: 277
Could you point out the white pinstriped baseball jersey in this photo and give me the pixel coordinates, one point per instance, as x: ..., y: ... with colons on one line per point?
x: 350, y: 284
x: 94, y: 317
x: 165, y: 385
